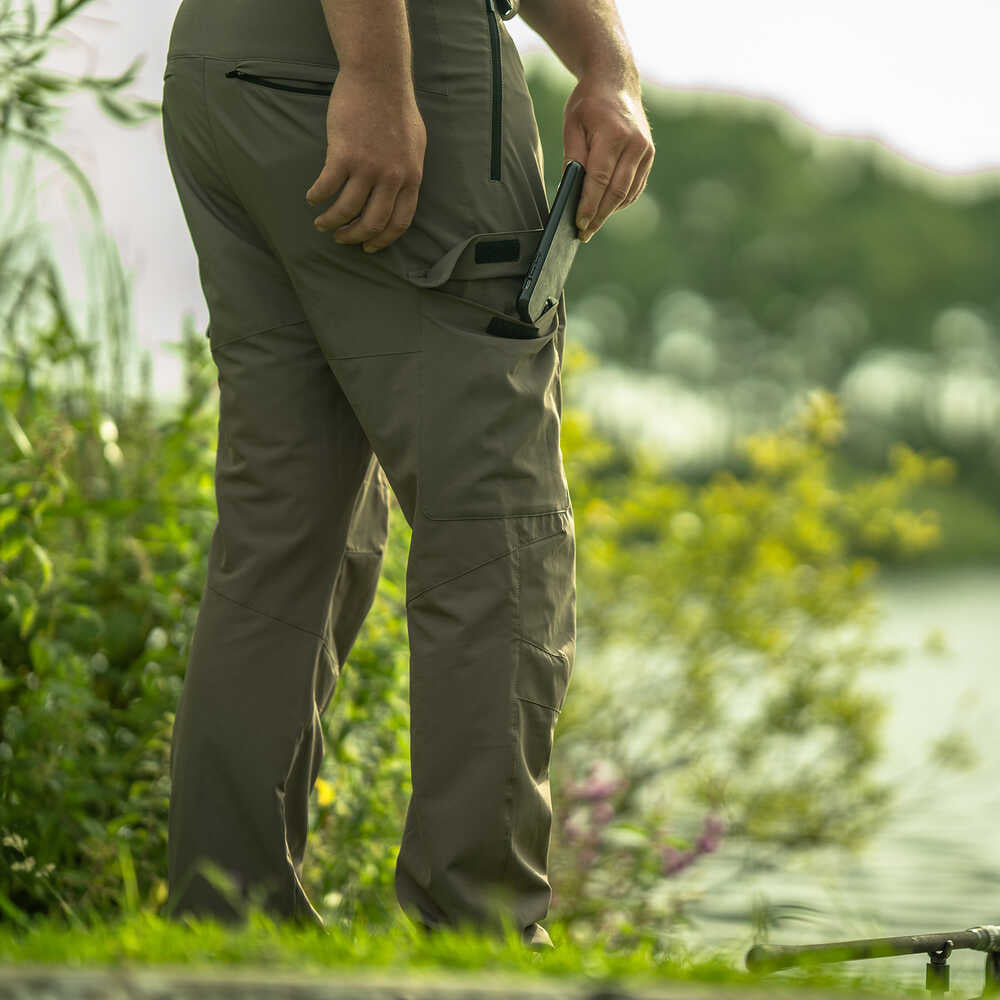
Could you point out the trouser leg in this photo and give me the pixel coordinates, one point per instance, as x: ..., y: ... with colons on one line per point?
x: 294, y: 559
x: 293, y: 567
x: 491, y: 619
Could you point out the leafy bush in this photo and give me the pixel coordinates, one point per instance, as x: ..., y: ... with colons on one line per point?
x: 103, y: 533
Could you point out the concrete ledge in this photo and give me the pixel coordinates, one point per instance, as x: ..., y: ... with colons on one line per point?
x: 21, y: 981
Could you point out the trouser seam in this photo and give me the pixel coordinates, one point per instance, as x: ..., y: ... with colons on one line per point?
x: 544, y: 649
x: 514, y: 708
x: 485, y: 562
x: 540, y: 704
x: 274, y: 618
x: 281, y: 794
x: 257, y: 333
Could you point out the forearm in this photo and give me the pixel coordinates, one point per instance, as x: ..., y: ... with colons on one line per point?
x: 587, y: 36
x: 372, y: 38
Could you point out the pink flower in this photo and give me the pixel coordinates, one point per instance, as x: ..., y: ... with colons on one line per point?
x: 603, y: 813
x: 708, y: 841
x: 711, y: 834
x: 674, y: 860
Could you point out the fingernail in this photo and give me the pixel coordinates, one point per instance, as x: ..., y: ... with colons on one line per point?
x: 370, y: 249
x: 582, y: 223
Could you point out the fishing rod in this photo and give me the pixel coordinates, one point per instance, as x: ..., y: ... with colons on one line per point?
x: 770, y: 958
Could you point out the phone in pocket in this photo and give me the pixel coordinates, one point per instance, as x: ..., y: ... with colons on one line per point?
x: 546, y: 277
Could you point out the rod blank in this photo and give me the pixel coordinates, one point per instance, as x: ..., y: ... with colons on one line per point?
x: 771, y: 958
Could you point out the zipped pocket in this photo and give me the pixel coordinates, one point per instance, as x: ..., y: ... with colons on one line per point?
x: 496, y: 101
x: 324, y: 87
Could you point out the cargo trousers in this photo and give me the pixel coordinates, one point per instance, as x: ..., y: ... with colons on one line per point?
x: 343, y: 375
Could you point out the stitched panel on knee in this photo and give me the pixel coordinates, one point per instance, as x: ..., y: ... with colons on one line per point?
x: 546, y: 588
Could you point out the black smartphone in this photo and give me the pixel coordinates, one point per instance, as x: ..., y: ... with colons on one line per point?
x: 546, y: 278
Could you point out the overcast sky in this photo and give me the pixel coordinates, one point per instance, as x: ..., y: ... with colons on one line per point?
x: 918, y: 78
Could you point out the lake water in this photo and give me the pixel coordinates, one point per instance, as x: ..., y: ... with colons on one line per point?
x: 936, y: 866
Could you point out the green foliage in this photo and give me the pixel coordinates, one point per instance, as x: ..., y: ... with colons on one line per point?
x: 106, y: 521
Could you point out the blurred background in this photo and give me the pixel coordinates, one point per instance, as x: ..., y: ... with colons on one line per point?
x: 781, y: 432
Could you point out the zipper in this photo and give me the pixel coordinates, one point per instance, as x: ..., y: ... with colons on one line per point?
x: 321, y: 87
x: 496, y: 107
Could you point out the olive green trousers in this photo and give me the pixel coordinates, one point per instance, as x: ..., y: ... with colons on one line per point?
x: 343, y: 375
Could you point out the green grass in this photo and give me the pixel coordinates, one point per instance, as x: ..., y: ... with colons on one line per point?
x: 145, y: 939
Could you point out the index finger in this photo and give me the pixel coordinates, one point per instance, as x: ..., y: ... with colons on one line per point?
x: 599, y: 169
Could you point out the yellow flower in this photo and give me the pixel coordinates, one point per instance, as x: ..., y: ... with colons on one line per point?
x: 324, y: 792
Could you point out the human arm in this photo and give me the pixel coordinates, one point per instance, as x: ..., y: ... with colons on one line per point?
x: 604, y: 123
x: 376, y: 137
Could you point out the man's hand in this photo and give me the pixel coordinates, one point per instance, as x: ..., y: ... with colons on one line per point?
x: 376, y: 140
x: 605, y: 129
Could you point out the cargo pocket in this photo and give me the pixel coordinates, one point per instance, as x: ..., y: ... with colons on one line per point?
x: 490, y: 411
